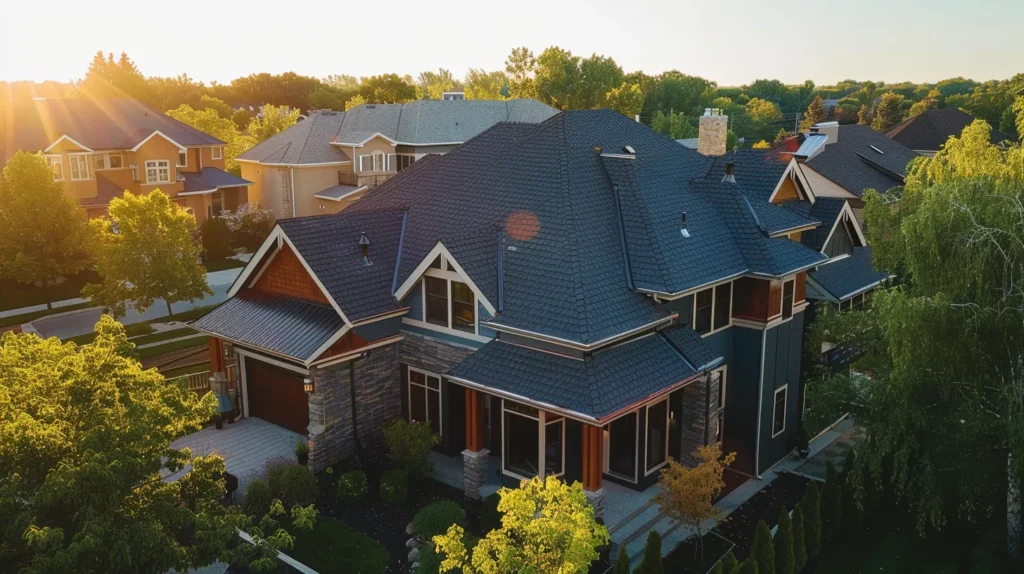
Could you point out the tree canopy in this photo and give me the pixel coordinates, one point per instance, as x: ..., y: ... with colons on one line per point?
x: 210, y: 121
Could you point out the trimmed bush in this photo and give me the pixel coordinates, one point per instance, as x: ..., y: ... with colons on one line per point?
x: 811, y: 507
x: 257, y: 498
x: 729, y: 563
x: 622, y: 564
x: 434, y: 519
x: 216, y: 238
x: 831, y: 505
x: 352, y: 486
x: 293, y: 484
x: 763, y: 550
x: 799, y: 546
x: 394, y: 485
x: 785, y: 562
x: 409, y: 445
x: 651, y: 563
x: 490, y: 516
x: 749, y: 566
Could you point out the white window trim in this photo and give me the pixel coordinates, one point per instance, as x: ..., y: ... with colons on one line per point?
x: 77, y: 159
x: 157, y: 167
x: 647, y: 423
x: 55, y: 158
x: 427, y: 390
x: 449, y: 274
x: 103, y: 161
x: 785, y: 408
x: 180, y: 152
x: 541, y: 419
x: 544, y: 440
x: 714, y: 299
x: 782, y: 301
x: 216, y: 152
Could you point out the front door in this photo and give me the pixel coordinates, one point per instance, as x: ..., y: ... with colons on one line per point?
x: 276, y: 395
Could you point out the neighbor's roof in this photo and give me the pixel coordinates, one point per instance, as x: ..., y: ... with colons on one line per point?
x: 929, y: 130
x: 283, y: 326
x: 863, y: 159
x: 845, y: 277
x: 210, y: 179
x: 592, y: 386
x: 338, y: 192
x: 115, y: 124
x: 421, y: 122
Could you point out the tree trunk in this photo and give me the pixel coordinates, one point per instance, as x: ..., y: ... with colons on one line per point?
x: 1013, y: 512
x: 170, y: 315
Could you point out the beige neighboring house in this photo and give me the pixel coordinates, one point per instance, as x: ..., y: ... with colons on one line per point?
x: 325, y: 162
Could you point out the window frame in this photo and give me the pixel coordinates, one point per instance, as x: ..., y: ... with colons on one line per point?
x: 56, y: 163
x: 102, y: 157
x: 784, y: 389
x: 77, y: 160
x: 782, y: 299
x: 216, y: 152
x: 647, y: 442
x: 714, y: 328
x: 426, y: 396
x: 158, y: 168
x: 449, y: 276
x: 607, y: 429
x: 181, y: 153
x: 541, y: 419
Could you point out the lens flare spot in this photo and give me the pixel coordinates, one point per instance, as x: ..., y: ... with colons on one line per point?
x: 522, y: 225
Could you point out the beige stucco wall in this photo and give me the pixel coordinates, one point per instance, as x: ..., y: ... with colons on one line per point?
x: 821, y: 186
x: 157, y: 148
x: 269, y: 184
x: 376, y: 144
x: 310, y: 180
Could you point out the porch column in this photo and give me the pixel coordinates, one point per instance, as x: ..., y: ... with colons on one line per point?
x: 216, y: 355
x: 593, y: 467
x: 475, y: 456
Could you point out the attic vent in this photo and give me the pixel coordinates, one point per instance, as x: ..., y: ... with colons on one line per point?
x: 629, y: 149
x: 878, y: 150
x: 364, y: 243
x: 682, y: 225
x: 730, y: 173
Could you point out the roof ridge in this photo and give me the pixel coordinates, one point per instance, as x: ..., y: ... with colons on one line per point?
x: 577, y: 280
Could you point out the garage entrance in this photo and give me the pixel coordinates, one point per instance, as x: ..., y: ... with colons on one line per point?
x: 276, y: 395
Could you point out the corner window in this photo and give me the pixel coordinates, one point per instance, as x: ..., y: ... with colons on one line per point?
x: 712, y: 309
x: 79, y: 166
x: 216, y: 153
x: 182, y: 158
x: 702, y: 311
x: 779, y: 412
x: 787, y: 299
x: 425, y: 398
x: 723, y: 306
x: 158, y: 171
x: 55, y: 163
x: 657, y: 435
x: 554, y: 445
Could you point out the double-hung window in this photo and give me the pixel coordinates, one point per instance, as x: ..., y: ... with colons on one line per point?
x: 425, y: 398
x: 787, y: 298
x: 99, y: 162
x: 373, y: 162
x: 158, y: 171
x: 448, y: 302
x: 79, y: 166
x: 216, y: 152
x: 779, y: 412
x: 712, y: 308
x: 55, y: 163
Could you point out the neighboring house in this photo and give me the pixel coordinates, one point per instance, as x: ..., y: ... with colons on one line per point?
x: 576, y: 298
x: 928, y: 131
x: 453, y: 95
x: 102, y: 148
x: 324, y: 163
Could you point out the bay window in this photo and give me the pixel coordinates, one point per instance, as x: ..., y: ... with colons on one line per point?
x: 425, y: 398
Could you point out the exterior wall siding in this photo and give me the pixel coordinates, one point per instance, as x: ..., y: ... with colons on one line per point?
x: 782, y: 364
x: 287, y: 277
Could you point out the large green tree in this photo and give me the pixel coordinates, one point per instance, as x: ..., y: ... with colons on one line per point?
x: 43, y: 233
x: 432, y: 85
x: 483, y: 85
x: 627, y: 99
x: 890, y: 111
x: 146, y: 250
x: 815, y: 113
x: 521, y: 66
x: 387, y: 89
x: 108, y: 78
x: 271, y: 121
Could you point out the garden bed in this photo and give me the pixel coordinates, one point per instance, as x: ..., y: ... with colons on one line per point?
x: 739, y: 526
x: 335, y: 547
x: 689, y: 558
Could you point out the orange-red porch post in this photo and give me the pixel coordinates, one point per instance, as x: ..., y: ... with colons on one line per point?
x: 475, y: 456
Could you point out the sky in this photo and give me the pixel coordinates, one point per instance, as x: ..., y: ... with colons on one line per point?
x: 732, y: 42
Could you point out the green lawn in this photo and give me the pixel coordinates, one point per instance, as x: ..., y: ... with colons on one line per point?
x: 223, y: 264
x: 333, y: 546
x: 164, y: 336
x: 14, y: 296
x: 28, y: 317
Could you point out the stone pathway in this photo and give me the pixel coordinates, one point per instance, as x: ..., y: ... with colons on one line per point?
x: 815, y: 467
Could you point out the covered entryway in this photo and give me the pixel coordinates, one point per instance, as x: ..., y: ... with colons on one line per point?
x: 276, y: 395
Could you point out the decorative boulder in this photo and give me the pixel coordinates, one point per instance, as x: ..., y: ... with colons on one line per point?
x: 412, y: 543
x: 414, y: 555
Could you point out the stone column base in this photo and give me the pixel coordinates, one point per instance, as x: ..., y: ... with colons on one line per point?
x: 474, y: 471
x: 596, y: 499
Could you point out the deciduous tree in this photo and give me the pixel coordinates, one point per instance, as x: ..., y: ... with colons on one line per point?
x: 674, y: 125
x: 483, y: 85
x: 226, y: 130
x: 548, y: 526
x: 146, y: 250
x: 43, y: 233
x: 687, y: 494
x: 521, y: 66
x: 889, y: 112
x: 387, y: 89
x: 431, y: 85
x: 627, y: 99
x: 271, y: 121
x: 831, y: 504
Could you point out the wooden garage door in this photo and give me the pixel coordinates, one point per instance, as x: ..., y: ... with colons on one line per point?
x: 276, y: 395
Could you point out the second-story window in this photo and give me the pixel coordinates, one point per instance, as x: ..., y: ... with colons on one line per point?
x: 373, y: 162
x: 448, y: 302
x: 54, y: 161
x: 79, y: 166
x: 787, y: 298
x: 115, y: 161
x: 158, y: 171
x: 182, y: 158
x: 216, y: 153
x: 712, y: 309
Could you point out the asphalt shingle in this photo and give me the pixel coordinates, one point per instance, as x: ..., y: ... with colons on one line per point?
x: 861, y: 159
x: 845, y: 277
x: 929, y: 130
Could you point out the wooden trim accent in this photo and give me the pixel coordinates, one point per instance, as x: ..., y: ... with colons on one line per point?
x: 285, y: 276
x: 474, y: 420
x: 800, y: 288
x: 216, y: 354
x: 775, y: 299
x: 593, y: 457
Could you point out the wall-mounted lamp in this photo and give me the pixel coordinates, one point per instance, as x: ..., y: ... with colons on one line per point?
x: 308, y: 385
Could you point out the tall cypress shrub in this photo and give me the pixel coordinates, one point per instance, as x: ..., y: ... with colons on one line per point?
x: 785, y: 561
x: 651, y: 563
x: 749, y: 566
x: 799, y: 547
x: 811, y: 507
x: 831, y: 504
x: 851, y: 511
x: 763, y: 550
x: 622, y: 564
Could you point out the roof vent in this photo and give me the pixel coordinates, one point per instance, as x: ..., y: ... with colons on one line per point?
x: 682, y: 226
x: 878, y: 150
x: 730, y: 173
x: 629, y: 149
x: 364, y: 243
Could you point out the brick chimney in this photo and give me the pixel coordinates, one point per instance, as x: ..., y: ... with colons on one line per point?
x: 714, y: 125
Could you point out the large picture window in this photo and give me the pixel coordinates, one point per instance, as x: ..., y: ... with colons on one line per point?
x: 779, y: 412
x: 521, y: 453
x: 158, y: 171
x: 712, y: 309
x: 787, y: 298
x: 425, y: 398
x: 657, y: 435
x: 622, y: 447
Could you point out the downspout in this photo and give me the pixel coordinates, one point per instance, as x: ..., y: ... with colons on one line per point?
x: 707, y: 407
x: 291, y: 171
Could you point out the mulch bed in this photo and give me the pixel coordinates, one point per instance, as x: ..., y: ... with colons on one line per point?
x: 739, y: 526
x: 386, y: 522
x: 689, y: 558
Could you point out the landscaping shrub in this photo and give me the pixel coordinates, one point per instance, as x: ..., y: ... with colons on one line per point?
x: 811, y: 507
x: 216, y: 239
x: 490, y: 516
x: 352, y: 486
x: 409, y: 445
x: 430, y: 559
x: 651, y: 563
x: 727, y: 565
x: 622, y: 564
x: 749, y: 566
x: 785, y: 562
x: 799, y: 544
x: 249, y: 225
x: 763, y: 550
x: 393, y: 485
x: 434, y: 519
x: 831, y: 504
x: 851, y: 512
x: 302, y: 452
x: 257, y: 498
x: 293, y: 484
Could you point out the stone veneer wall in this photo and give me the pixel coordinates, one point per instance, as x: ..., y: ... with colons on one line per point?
x: 378, y: 402
x: 693, y: 419
x: 713, y: 134
x: 431, y: 354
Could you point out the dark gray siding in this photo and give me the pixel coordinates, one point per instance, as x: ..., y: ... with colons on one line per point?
x: 783, y: 350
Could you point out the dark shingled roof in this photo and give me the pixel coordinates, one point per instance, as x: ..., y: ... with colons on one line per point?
x: 758, y: 171
x: 852, y: 163
x: 337, y: 192
x: 848, y: 276
x: 929, y: 130
x: 826, y: 210
x: 772, y: 218
x: 210, y: 179
x: 692, y: 346
x: 288, y: 327
x: 592, y: 386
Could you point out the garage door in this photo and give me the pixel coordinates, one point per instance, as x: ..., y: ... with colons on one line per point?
x: 276, y: 395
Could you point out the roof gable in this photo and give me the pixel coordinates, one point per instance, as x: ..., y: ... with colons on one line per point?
x: 929, y: 130
x: 861, y: 159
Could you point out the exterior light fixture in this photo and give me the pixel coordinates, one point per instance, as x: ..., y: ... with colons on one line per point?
x: 308, y: 385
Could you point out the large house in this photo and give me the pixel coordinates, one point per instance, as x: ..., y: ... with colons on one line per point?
x: 581, y: 297
x: 928, y: 131
x: 325, y: 162
x: 102, y: 148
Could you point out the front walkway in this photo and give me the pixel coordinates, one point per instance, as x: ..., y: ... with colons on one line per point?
x: 246, y: 446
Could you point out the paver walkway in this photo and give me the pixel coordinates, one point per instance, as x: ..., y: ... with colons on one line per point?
x: 816, y: 466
